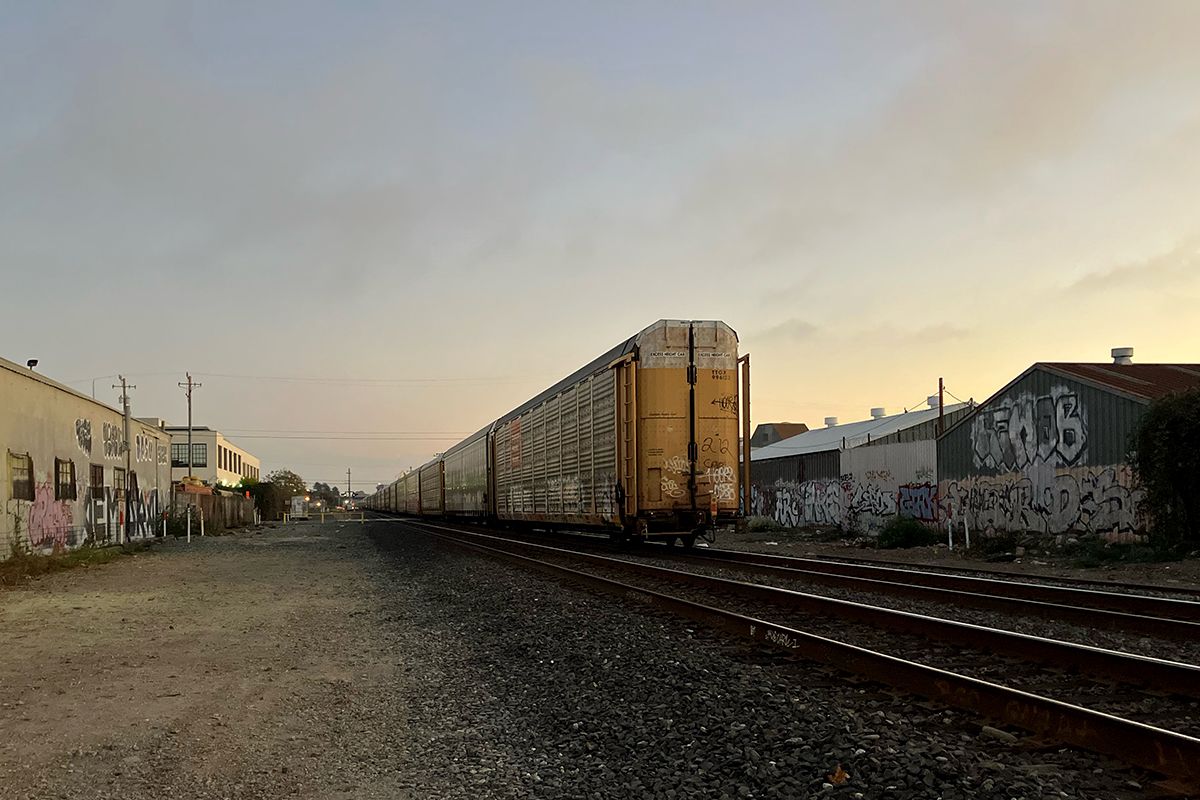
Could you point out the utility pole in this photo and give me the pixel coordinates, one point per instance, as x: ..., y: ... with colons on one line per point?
x: 190, y: 385
x: 347, y: 485
x: 941, y: 423
x: 125, y: 387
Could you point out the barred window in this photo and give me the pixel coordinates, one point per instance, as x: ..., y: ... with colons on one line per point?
x: 20, y: 473
x: 64, y: 480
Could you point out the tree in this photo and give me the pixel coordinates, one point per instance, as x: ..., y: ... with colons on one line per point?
x: 288, y: 482
x: 328, y: 495
x: 273, y: 494
x: 1166, y: 459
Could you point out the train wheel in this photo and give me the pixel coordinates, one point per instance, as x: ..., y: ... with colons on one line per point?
x: 689, y: 541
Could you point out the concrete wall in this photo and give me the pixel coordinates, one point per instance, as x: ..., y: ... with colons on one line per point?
x: 48, y: 421
x: 876, y: 483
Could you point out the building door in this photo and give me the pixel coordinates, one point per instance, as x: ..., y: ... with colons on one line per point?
x: 96, y: 505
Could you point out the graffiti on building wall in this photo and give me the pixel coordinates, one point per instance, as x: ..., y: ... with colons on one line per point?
x: 918, y: 501
x: 1018, y: 432
x: 144, y: 514
x: 104, y: 513
x: 842, y: 502
x: 112, y: 440
x: 83, y: 435
x: 145, y: 448
x: 1094, y: 499
x: 48, y: 523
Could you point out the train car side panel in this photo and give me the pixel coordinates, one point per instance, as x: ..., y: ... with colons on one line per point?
x: 556, y: 462
x: 431, y: 489
x: 465, y: 470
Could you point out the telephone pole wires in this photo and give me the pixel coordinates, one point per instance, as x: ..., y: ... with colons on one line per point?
x: 189, y: 386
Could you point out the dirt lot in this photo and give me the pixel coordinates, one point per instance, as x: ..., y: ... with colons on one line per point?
x: 233, y: 667
x: 802, y: 543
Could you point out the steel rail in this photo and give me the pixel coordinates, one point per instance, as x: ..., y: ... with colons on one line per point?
x: 1080, y: 615
x: 1162, y: 751
x: 1160, y: 674
x: 1161, y: 607
x: 1102, y: 585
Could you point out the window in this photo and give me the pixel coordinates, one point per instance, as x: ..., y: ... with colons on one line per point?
x: 20, y: 472
x: 96, y: 481
x: 64, y: 480
x: 119, y: 482
x: 179, y: 455
x: 200, y: 454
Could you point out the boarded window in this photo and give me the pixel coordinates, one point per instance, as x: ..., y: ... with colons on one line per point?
x: 20, y: 473
x: 64, y: 480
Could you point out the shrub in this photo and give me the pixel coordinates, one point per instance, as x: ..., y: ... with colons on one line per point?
x: 905, y: 532
x: 761, y: 524
x: 1166, y: 460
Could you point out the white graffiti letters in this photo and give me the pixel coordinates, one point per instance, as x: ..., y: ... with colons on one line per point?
x: 1016, y: 433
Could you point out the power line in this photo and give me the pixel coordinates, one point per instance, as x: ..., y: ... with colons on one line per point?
x: 959, y: 399
x: 352, y: 438
x: 348, y: 433
x: 363, y: 381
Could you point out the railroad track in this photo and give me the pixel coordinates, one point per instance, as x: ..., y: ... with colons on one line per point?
x: 731, y: 606
x: 954, y: 569
x: 1142, y: 615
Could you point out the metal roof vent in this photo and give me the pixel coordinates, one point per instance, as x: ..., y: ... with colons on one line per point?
x: 878, y: 412
x: 933, y: 401
x: 830, y: 421
x: 1122, y: 355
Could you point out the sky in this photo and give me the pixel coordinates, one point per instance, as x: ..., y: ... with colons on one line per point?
x: 381, y: 225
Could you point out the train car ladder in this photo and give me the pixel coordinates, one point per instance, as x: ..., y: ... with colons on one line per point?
x: 627, y: 435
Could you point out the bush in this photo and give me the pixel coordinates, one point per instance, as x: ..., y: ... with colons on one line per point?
x: 905, y: 532
x: 1166, y: 460
x: 762, y: 524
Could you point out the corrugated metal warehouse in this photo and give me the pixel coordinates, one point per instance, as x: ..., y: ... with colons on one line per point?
x: 854, y: 476
x: 70, y: 477
x: 1048, y: 452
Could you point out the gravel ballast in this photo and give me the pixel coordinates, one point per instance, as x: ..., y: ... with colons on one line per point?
x: 366, y: 661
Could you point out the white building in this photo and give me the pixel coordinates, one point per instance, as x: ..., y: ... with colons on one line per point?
x: 215, y: 459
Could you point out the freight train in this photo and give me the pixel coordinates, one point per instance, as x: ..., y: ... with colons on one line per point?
x: 642, y: 442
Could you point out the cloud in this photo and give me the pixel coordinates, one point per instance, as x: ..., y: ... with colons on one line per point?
x: 792, y: 330
x: 1180, y: 264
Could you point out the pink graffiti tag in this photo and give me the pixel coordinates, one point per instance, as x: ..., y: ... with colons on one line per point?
x: 49, y: 520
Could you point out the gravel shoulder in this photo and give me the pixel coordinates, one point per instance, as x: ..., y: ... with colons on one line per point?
x: 364, y: 661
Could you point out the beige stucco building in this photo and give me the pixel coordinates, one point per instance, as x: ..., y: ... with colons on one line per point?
x: 215, y: 460
x: 69, y: 476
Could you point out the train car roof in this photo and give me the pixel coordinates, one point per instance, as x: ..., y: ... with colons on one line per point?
x: 595, y: 365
